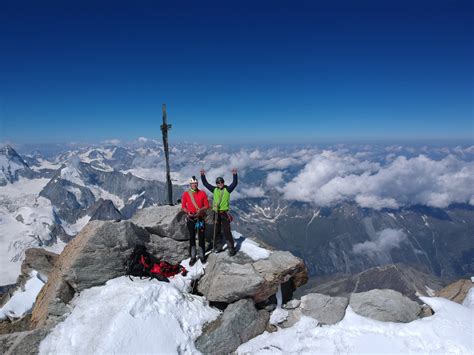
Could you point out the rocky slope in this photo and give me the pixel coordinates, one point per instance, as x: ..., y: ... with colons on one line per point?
x: 399, y: 277
x: 349, y: 239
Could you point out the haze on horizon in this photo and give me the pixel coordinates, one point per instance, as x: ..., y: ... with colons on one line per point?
x: 265, y: 72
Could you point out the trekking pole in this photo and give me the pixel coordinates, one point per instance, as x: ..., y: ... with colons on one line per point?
x: 214, y: 233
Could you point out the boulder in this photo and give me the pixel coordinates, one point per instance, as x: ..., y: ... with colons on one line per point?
x: 165, y: 221
x: 40, y: 260
x: 385, y: 305
x: 326, y: 309
x: 228, y: 279
x: 171, y: 250
x: 239, y: 323
x: 93, y: 257
x: 456, y: 291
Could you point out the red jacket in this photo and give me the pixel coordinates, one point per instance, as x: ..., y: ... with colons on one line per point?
x: 199, y: 196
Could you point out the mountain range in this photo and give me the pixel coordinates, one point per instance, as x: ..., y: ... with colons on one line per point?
x: 47, y: 198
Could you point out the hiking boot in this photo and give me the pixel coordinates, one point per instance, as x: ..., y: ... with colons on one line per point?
x: 232, y: 251
x: 201, y: 255
x: 218, y: 248
x: 193, y: 256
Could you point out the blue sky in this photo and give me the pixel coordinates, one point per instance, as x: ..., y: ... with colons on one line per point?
x: 260, y: 71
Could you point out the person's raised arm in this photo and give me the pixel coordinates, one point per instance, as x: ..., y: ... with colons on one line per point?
x: 205, y: 182
x: 235, y: 181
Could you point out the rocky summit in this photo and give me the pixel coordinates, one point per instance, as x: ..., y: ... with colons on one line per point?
x: 228, y: 279
x: 242, y: 286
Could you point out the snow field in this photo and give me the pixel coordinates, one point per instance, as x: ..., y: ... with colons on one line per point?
x: 139, y: 316
x: 448, y: 331
x: 25, y: 219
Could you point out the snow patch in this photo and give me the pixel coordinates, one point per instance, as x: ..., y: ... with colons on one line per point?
x: 250, y: 247
x: 45, y: 164
x: 71, y: 174
x: 279, y: 314
x: 469, y: 300
x: 22, y: 300
x: 74, y: 228
x: 425, y: 219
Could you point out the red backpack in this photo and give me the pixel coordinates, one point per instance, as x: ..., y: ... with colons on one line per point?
x: 141, y: 263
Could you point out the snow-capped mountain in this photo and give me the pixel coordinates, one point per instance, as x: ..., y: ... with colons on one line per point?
x: 343, y: 208
x: 12, y: 166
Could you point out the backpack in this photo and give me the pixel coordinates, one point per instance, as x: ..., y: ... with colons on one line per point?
x: 142, y: 264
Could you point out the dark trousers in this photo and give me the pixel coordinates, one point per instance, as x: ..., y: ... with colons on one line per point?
x: 191, y: 224
x: 224, y: 224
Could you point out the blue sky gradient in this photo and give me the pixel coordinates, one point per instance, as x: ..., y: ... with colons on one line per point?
x: 260, y: 71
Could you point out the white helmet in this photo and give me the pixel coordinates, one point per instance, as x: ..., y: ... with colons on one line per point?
x: 193, y: 180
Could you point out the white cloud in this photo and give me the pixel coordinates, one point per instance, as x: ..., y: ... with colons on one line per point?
x: 332, y: 177
x: 274, y: 178
x: 385, y: 241
x: 248, y: 191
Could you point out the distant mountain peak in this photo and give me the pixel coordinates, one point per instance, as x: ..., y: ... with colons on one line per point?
x: 12, y: 165
x: 11, y: 154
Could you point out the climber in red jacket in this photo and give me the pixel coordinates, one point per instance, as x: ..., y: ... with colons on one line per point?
x: 194, y: 203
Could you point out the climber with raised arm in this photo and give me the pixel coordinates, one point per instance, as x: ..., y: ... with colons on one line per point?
x: 221, y: 205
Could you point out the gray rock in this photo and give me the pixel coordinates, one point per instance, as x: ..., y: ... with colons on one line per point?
x: 228, y: 279
x: 40, y: 260
x: 171, y: 250
x: 98, y: 255
x: 15, y: 325
x: 165, y: 221
x: 239, y: 323
x: 22, y: 343
x: 9, y: 340
x: 385, y: 305
x: 279, y: 268
x: 294, y: 315
x: 292, y: 304
x: 326, y: 309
